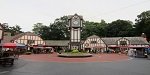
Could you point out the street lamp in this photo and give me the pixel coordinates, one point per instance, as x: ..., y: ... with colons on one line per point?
x: 1, y: 37
x: 1, y: 33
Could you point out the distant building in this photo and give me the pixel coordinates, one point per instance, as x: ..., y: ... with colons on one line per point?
x: 122, y: 43
x: 91, y: 43
x: 27, y: 38
x: 94, y: 42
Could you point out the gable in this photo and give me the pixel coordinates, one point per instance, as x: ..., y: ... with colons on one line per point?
x: 94, y: 42
x: 123, y: 41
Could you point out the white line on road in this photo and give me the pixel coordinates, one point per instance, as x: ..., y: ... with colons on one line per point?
x: 4, y: 72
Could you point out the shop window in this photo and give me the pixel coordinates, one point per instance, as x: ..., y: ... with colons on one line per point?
x: 93, y: 42
x: 30, y: 41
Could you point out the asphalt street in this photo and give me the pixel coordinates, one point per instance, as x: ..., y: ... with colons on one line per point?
x: 136, y: 66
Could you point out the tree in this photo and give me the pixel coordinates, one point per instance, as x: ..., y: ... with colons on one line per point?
x: 6, y: 27
x: 142, y: 24
x: 45, y: 33
x: 37, y: 28
x: 102, y: 28
x: 55, y: 31
x: 13, y: 30
x: 94, y: 28
x: 119, y: 28
x: 59, y: 29
x: 42, y: 30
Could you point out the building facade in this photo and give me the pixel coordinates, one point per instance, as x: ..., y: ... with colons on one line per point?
x: 94, y: 42
x: 91, y: 43
x: 27, y: 38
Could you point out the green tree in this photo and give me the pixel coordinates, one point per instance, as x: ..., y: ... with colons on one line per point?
x: 119, y: 28
x: 37, y: 28
x: 42, y: 30
x: 5, y: 27
x: 13, y: 30
x: 59, y: 29
x: 45, y: 33
x: 55, y: 31
x: 142, y: 24
x: 94, y: 28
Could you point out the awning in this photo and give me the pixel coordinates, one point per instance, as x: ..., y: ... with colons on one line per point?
x: 12, y: 45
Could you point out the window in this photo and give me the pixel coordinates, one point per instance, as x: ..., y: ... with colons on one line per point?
x: 123, y: 43
x: 30, y: 41
x: 93, y: 42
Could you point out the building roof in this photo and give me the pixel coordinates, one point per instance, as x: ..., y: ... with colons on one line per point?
x: 133, y: 40
x: 110, y: 40
x: 10, y: 38
x: 57, y: 42
x: 93, y: 36
x: 137, y: 40
x: 21, y: 34
x: 107, y: 40
x: 70, y: 16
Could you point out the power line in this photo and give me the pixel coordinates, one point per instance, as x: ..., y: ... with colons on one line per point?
x: 123, y: 8
x: 128, y: 6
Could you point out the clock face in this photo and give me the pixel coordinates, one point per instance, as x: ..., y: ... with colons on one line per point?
x: 76, y: 22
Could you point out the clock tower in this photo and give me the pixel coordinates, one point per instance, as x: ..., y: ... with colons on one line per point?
x: 75, y: 27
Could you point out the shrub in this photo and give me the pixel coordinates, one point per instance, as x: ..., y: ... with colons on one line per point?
x: 75, y: 51
x: 28, y: 53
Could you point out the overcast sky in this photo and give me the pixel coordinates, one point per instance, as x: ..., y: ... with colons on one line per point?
x: 25, y: 13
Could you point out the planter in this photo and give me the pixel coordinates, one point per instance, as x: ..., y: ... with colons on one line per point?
x: 75, y: 55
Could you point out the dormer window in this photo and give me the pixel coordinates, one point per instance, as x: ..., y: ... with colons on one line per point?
x: 123, y: 42
x: 93, y: 42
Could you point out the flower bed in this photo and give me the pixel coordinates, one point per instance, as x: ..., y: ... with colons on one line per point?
x: 74, y: 54
x: 71, y: 55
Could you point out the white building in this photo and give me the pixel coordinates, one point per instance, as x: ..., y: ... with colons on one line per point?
x: 94, y: 42
x: 27, y: 38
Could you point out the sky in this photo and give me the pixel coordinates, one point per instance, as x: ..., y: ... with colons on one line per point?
x: 26, y: 13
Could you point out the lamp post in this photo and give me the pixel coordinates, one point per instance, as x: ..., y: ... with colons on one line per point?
x: 1, y: 33
x: 1, y: 36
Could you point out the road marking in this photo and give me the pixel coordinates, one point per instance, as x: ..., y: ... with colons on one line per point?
x: 4, y: 72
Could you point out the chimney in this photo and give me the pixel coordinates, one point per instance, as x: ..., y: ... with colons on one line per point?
x: 7, y: 34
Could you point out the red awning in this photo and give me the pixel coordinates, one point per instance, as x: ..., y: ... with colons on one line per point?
x: 12, y: 45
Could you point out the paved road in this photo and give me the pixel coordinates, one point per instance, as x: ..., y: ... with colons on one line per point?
x: 135, y: 66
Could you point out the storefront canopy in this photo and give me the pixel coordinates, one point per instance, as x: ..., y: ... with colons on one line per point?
x: 12, y: 45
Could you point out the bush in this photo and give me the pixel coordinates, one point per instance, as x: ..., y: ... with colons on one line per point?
x: 75, y: 51
x: 28, y: 53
